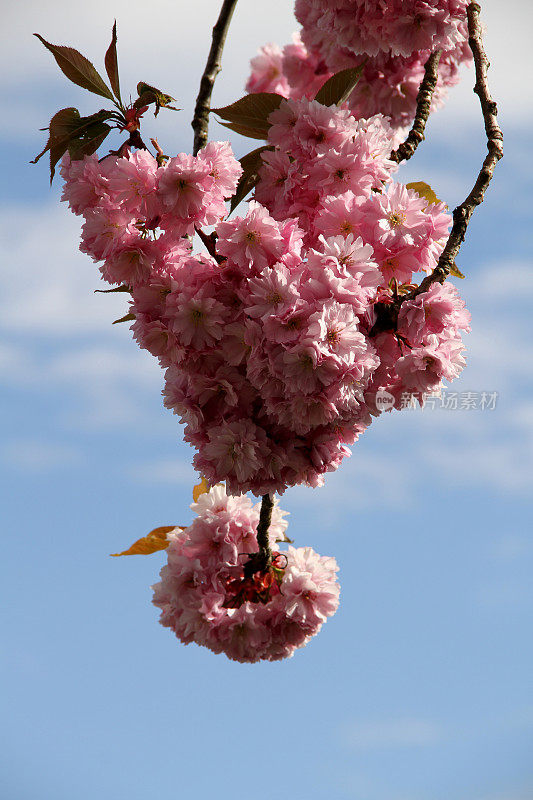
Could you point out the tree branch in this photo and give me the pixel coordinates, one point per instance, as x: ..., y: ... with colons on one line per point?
x: 261, y: 561
x: 200, y: 122
x: 489, y: 109
x: 265, y: 518
x: 423, y: 108
x: 387, y: 316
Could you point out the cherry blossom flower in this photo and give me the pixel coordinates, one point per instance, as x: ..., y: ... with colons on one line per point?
x: 205, y: 596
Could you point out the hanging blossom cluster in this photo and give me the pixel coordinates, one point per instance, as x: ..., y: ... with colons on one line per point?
x: 393, y: 41
x: 206, y: 594
x: 367, y: 236
x: 299, y: 322
x: 271, y: 354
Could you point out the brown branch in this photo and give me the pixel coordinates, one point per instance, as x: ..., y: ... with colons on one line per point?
x: 261, y: 561
x: 387, y: 315
x: 265, y: 518
x: 200, y: 122
x: 423, y: 108
x: 489, y: 109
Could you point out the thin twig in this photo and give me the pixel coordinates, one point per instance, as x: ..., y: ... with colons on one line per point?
x: 387, y: 316
x: 423, y: 108
x: 489, y: 109
x: 213, y: 66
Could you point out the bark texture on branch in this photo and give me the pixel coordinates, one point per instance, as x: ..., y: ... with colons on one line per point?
x: 265, y: 518
x: 200, y: 122
x: 387, y: 316
x: 262, y: 560
x: 489, y: 109
x: 423, y: 108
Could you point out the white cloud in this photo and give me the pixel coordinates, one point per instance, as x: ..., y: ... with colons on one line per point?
x: 57, y: 333
x: 364, y: 481
x: 48, y: 285
x: 506, y: 30
x: 95, y: 387
x: 58, y: 338
x: 102, y: 366
x: 169, y: 46
x: 503, y: 282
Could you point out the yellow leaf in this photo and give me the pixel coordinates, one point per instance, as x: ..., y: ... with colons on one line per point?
x: 200, y: 488
x: 154, y: 541
x: 455, y: 271
x: 424, y: 190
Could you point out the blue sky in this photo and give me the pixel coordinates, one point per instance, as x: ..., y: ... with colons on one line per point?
x: 420, y: 687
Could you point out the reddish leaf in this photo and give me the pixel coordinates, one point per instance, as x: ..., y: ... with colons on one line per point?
x: 251, y: 164
x: 111, y: 64
x: 77, y: 68
x: 63, y: 126
x: 79, y: 135
x: 60, y: 130
x: 337, y: 89
x: 89, y: 142
x: 125, y: 318
x: 249, y: 115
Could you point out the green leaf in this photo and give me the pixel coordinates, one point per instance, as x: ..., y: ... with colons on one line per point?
x: 125, y: 318
x: 251, y: 164
x: 111, y: 64
x: 249, y: 115
x: 77, y: 68
x: 337, y: 89
x: 150, y: 94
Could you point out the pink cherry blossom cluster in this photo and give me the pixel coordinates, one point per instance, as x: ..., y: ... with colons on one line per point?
x: 424, y: 349
x: 333, y: 174
x: 270, y: 348
x: 391, y: 40
x: 205, y: 595
x: 137, y: 213
x: 366, y: 237
x: 398, y: 27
